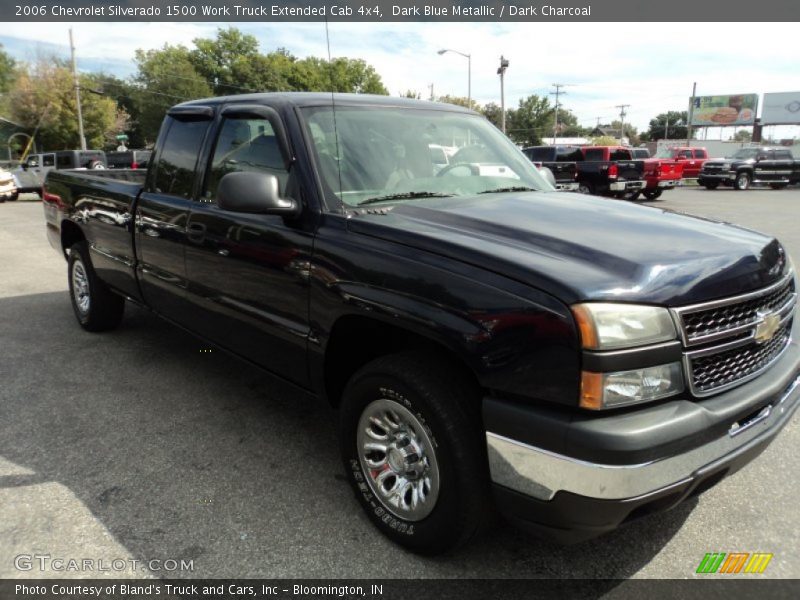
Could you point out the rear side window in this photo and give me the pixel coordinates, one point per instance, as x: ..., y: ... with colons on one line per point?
x: 48, y: 160
x: 245, y: 145
x: 64, y: 161
x: 783, y: 155
x: 620, y: 155
x: 176, y: 163
x: 686, y: 154
x: 700, y: 154
x: 568, y: 154
x: 594, y: 154
x: 538, y: 154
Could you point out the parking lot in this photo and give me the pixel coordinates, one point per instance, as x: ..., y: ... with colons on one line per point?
x: 144, y: 444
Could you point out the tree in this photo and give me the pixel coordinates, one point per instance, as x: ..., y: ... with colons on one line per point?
x: 677, y: 126
x: 742, y: 136
x: 414, y: 95
x: 604, y: 140
x: 164, y: 78
x: 493, y: 113
x: 229, y: 62
x: 459, y: 101
x: 44, y: 94
x: 8, y: 70
x: 530, y: 121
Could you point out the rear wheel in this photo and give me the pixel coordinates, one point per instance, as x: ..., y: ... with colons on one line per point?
x: 96, y: 307
x: 585, y: 188
x: 711, y: 186
x: 742, y: 181
x: 632, y: 196
x: 652, y: 194
x: 414, y: 451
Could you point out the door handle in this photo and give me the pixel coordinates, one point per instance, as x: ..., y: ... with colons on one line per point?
x: 196, y: 232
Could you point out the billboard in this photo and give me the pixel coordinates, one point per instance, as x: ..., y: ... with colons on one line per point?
x: 719, y: 111
x: 781, y: 109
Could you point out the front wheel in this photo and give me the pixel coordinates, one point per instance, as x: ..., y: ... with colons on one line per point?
x: 414, y: 451
x: 96, y: 307
x: 14, y: 197
x: 652, y: 194
x: 742, y: 181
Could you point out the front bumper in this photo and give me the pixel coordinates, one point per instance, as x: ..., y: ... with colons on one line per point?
x: 8, y: 190
x: 626, y: 186
x: 717, y: 177
x: 569, y: 495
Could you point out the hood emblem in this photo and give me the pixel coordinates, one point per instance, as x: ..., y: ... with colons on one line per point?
x: 768, y: 325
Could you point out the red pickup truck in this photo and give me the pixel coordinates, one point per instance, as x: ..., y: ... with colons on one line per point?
x: 691, y: 158
x: 659, y: 173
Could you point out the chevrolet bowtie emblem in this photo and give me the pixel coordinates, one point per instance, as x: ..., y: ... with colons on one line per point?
x: 768, y: 324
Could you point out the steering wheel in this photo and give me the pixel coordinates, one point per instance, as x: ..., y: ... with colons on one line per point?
x: 470, y: 170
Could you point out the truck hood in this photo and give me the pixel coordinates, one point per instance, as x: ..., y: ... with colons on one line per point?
x: 579, y: 247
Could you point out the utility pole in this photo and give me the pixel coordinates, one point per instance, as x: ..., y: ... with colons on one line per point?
x: 666, y: 129
x: 558, y: 91
x: 691, y: 116
x: 502, y: 71
x: 432, y: 96
x: 622, y: 114
x: 77, y: 92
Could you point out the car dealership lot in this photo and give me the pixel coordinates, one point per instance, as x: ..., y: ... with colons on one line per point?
x: 145, y: 444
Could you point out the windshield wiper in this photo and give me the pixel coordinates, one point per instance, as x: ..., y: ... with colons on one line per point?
x: 404, y: 196
x: 516, y: 188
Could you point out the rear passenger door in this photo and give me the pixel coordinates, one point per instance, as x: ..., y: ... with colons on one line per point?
x: 163, y: 210
x: 248, y: 274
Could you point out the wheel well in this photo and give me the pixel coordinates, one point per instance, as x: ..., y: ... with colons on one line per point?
x: 70, y: 234
x: 357, y: 340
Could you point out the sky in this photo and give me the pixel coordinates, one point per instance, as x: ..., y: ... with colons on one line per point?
x: 649, y: 66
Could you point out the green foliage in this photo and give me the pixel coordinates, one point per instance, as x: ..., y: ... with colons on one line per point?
x: 493, y: 113
x: 743, y: 135
x: 530, y: 121
x: 459, y: 101
x: 677, y: 126
x: 44, y: 95
x: 605, y: 140
x: 8, y: 70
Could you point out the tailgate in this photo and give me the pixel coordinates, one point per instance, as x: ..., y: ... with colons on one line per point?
x: 563, y: 171
x: 630, y: 169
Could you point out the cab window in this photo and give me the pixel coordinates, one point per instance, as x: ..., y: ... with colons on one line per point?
x: 700, y: 154
x: 176, y: 163
x: 245, y: 145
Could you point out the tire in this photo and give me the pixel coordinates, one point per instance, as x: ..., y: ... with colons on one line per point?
x: 96, y: 164
x: 423, y: 395
x: 742, y: 181
x: 632, y: 196
x: 777, y: 186
x: 96, y: 307
x: 13, y: 197
x: 585, y: 188
x: 652, y: 194
x: 711, y: 186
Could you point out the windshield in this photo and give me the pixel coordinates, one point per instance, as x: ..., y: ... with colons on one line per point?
x: 745, y: 153
x: 384, y: 154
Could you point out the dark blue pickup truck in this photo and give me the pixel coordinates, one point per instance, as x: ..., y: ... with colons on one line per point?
x: 489, y: 343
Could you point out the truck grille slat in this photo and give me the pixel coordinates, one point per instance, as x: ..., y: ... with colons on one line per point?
x: 719, y: 336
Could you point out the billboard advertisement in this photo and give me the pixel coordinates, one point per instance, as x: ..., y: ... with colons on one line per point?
x: 781, y: 109
x: 719, y: 111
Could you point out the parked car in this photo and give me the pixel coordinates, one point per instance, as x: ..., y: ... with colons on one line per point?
x: 562, y: 162
x: 770, y: 165
x: 692, y: 158
x: 8, y: 187
x: 610, y: 170
x: 128, y: 159
x: 577, y: 365
x: 30, y: 175
x: 660, y: 174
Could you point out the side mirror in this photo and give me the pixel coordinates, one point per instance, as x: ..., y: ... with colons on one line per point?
x: 258, y: 193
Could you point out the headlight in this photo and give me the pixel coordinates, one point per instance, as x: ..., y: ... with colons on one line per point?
x: 610, y: 390
x: 610, y: 326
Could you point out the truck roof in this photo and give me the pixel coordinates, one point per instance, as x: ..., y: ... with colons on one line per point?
x: 328, y: 99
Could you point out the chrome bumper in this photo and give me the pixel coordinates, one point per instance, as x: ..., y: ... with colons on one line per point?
x: 567, y: 187
x: 670, y: 184
x: 541, y: 474
x: 624, y: 186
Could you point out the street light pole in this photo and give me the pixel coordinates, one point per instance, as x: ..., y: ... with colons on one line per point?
x: 77, y: 93
x: 469, y: 72
x: 502, y: 71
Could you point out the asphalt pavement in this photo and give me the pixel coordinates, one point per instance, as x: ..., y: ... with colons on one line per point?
x: 142, y: 445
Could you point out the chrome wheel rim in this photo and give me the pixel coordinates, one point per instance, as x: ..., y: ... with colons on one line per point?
x: 398, y: 459
x: 80, y: 287
x: 743, y: 181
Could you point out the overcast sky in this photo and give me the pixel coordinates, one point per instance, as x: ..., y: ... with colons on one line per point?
x: 650, y: 66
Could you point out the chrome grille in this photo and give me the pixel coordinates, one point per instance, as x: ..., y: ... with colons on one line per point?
x: 704, y: 323
x: 720, y: 336
x: 711, y: 372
